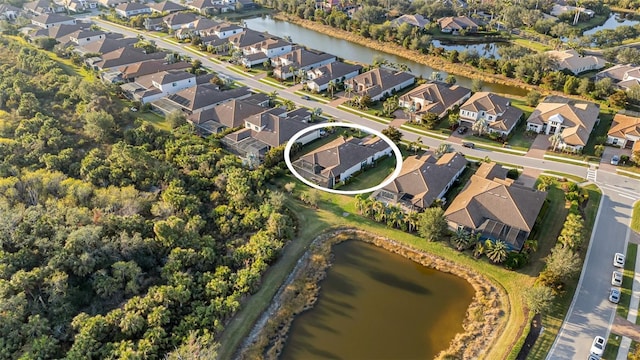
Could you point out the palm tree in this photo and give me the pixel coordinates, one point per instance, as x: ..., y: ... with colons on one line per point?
x: 348, y: 90
x: 478, y: 250
x: 556, y: 140
x: 480, y: 126
x: 331, y: 86
x: 367, y: 207
x: 496, y: 251
x: 288, y: 104
x: 272, y: 97
x: 530, y: 246
x: 461, y: 239
x: 395, y: 217
x: 412, y: 220
x: 359, y: 203
x: 379, y: 211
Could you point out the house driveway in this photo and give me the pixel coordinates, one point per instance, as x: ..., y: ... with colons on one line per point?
x: 609, y: 151
x: 539, y: 147
x: 624, y: 327
x: 528, y: 177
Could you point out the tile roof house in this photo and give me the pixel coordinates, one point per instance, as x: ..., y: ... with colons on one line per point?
x: 496, y: 110
x: 40, y: 7
x: 200, y: 27
x: 151, y: 87
x: 416, y: 20
x: 112, y: 3
x: 434, y: 97
x: 572, y: 119
x: 8, y: 12
x: 47, y: 21
x: 166, y: 7
x: 62, y: 33
x: 422, y: 180
x: 456, y: 24
x: 105, y: 45
x: 336, y: 71
x: 210, y: 7
x: 379, y: 83
x: 258, y: 47
x: 576, y: 63
x: 299, y: 59
x: 269, y: 129
x: 199, y: 98
x: 133, y: 71
x: 340, y: 159
x: 124, y: 56
x: 229, y: 115
x: 86, y: 36
x: 496, y: 207
x: 625, y: 132
x: 127, y: 10
x: 178, y: 20
x: 625, y: 76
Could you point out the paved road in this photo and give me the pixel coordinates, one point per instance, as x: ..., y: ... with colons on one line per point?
x: 591, y: 313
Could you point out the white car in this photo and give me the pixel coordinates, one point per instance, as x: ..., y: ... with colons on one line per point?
x: 597, y: 347
x: 615, y: 160
x: 618, y: 260
x: 593, y: 357
x: 614, y: 295
x: 616, y: 278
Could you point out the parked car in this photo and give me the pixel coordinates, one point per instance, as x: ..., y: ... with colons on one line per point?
x: 616, y: 278
x: 305, y: 97
x: 615, y: 160
x: 618, y: 260
x: 470, y: 145
x: 593, y: 357
x: 614, y: 295
x: 597, y: 347
x: 462, y: 129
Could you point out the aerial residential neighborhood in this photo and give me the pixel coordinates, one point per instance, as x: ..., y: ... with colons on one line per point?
x: 238, y: 179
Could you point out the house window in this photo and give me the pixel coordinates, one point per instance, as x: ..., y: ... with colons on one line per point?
x: 174, y: 84
x: 615, y: 141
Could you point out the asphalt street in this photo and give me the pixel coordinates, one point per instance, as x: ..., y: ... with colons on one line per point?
x: 591, y: 314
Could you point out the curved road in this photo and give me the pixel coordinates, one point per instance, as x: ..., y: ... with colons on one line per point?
x: 590, y: 314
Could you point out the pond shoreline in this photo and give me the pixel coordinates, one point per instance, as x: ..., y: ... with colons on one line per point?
x: 483, y: 321
x: 391, y: 48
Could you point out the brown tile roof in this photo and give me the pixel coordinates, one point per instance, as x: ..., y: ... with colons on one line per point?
x: 200, y: 96
x: 457, y: 23
x: 277, y: 126
x: 166, y: 6
x: 231, y: 114
x: 579, y: 117
x: 107, y: 45
x: 437, y: 96
x: 423, y: 178
x: 378, y: 80
x: 498, y: 200
x: 126, y: 56
x: 490, y: 103
x: 150, y: 67
x: 415, y: 20
x: 624, y: 125
x: 615, y: 72
x: 179, y: 18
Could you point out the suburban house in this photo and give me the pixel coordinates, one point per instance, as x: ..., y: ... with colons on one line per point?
x: 201, y: 27
x: 258, y: 47
x: 229, y: 115
x: 423, y: 180
x: 269, y: 129
x: 434, y: 97
x: 379, y: 83
x: 199, y: 98
x: 47, y: 21
x: 572, y: 119
x: 414, y: 20
x: 131, y: 72
x: 166, y: 7
x: 455, y: 24
x: 337, y: 71
x: 624, y: 76
x: 8, y: 12
x: 576, y: 63
x: 179, y: 20
x: 496, y: 207
x: 105, y: 45
x: 124, y: 56
x: 299, y: 60
x: 625, y: 132
x: 495, y: 110
x: 62, y: 33
x: 152, y: 87
x: 225, y: 30
x: 111, y: 3
x: 558, y: 10
x: 339, y: 159
x: 127, y: 10
x: 78, y: 6
x: 84, y: 37
x: 210, y: 7
x: 40, y: 7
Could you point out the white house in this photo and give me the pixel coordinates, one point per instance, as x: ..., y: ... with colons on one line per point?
x: 47, y: 21
x: 433, y: 97
x: 573, y: 120
x: 299, y: 60
x: 379, y: 83
x: 337, y: 72
x: 625, y: 132
x: 576, y: 63
x: 8, y: 12
x: 495, y: 110
x: 260, y: 52
x: 83, y: 37
x: 128, y: 10
x: 152, y: 87
x: 226, y: 30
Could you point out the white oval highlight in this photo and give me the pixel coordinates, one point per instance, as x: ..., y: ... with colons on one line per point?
x: 394, y: 147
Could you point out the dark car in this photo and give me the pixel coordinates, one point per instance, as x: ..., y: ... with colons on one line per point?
x: 305, y: 97
x: 462, y: 129
x: 470, y: 145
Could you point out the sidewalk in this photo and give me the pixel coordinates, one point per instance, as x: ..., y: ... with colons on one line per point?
x: 625, y: 344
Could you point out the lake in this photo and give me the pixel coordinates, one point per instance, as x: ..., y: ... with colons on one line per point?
x: 374, y: 304
x: 355, y: 52
x: 612, y: 22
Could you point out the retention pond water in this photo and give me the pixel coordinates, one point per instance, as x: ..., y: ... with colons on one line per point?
x: 374, y: 304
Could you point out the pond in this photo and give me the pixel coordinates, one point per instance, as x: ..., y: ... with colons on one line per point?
x: 374, y: 304
x: 488, y: 50
x: 355, y: 52
x: 615, y: 20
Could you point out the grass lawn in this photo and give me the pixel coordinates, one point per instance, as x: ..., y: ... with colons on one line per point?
x: 553, y: 319
x: 627, y: 280
x: 613, y: 344
x: 533, y: 45
x: 606, y: 118
x: 157, y: 120
x: 575, y: 178
x: 373, y: 176
x: 635, y: 219
x: 597, y: 20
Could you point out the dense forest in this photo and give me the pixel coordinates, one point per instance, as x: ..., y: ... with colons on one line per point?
x: 119, y: 240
